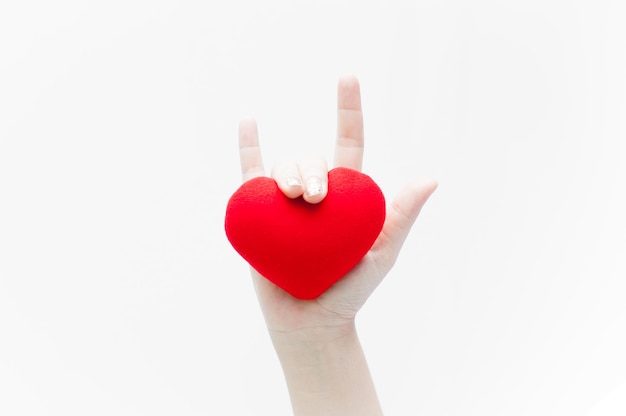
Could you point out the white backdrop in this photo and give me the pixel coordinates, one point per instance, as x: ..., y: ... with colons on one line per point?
x: 120, y: 295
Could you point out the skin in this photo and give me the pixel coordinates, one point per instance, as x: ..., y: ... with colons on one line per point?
x: 316, y: 340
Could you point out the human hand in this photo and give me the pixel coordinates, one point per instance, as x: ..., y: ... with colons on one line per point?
x: 337, y: 307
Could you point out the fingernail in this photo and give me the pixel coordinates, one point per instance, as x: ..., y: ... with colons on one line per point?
x: 294, y: 181
x: 313, y: 186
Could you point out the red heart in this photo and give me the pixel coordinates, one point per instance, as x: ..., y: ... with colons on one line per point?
x: 305, y: 248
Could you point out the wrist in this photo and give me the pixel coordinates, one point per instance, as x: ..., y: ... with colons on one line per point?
x: 326, y: 372
x: 314, y: 340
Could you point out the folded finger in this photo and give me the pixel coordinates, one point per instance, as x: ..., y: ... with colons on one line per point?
x: 314, y: 174
x: 287, y: 176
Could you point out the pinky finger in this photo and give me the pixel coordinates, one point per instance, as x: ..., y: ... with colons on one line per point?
x: 249, y: 150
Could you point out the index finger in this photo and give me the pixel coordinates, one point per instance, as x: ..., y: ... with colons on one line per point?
x: 349, y: 146
x: 249, y: 150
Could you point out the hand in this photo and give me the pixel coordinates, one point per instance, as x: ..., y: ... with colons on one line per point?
x: 316, y: 340
x: 340, y: 303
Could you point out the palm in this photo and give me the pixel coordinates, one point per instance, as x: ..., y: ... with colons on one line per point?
x: 339, y: 304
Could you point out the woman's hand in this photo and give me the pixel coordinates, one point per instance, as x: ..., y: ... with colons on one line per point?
x: 338, y: 306
x: 316, y: 340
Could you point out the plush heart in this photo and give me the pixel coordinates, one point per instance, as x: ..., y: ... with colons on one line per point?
x: 301, y: 247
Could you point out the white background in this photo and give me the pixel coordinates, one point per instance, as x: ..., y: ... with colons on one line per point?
x: 120, y: 295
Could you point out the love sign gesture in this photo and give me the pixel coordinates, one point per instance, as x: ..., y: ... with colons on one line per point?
x: 319, y: 243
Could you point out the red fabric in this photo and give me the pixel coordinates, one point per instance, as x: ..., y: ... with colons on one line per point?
x: 305, y: 248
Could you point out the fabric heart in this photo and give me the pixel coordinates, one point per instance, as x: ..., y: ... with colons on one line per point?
x: 305, y: 248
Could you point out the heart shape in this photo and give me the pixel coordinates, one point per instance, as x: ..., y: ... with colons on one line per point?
x: 301, y: 247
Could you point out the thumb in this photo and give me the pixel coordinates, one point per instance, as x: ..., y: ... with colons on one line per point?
x: 400, y: 218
